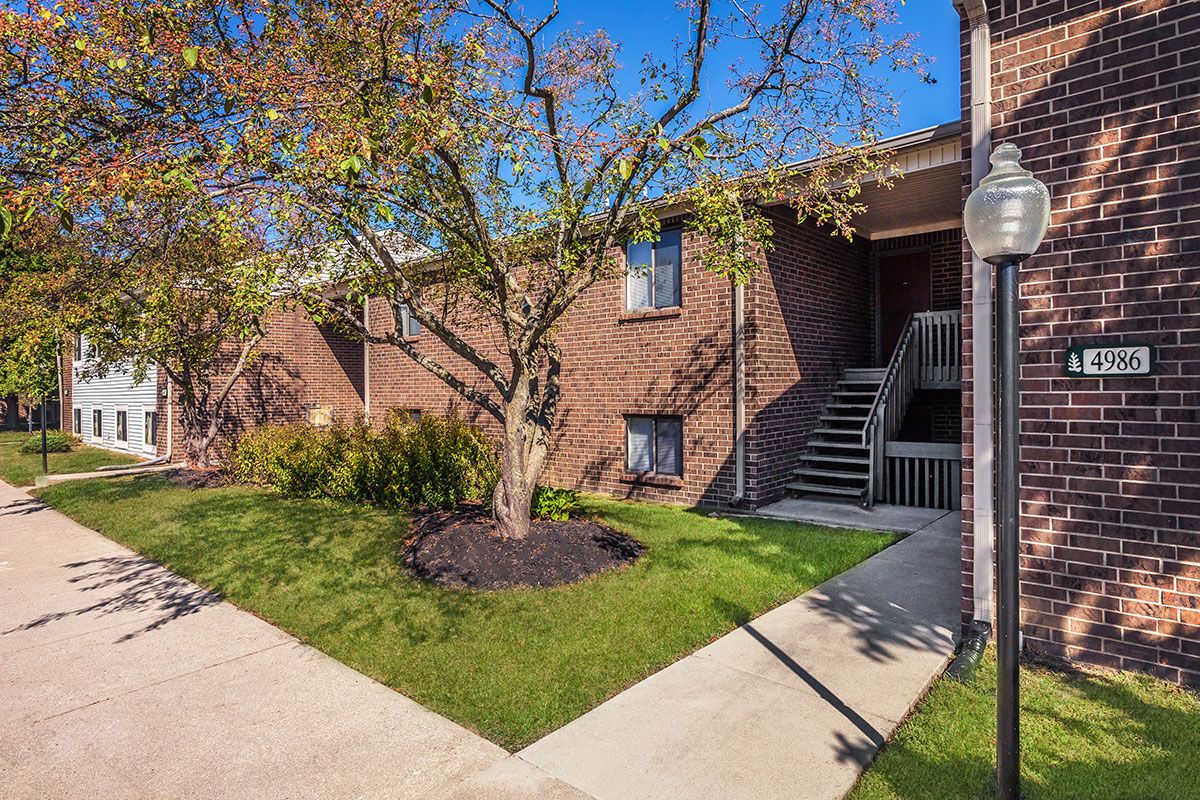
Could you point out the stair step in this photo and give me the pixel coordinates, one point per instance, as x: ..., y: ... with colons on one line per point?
x: 817, y: 488
x: 864, y: 406
x: 846, y: 393
x: 839, y: 445
x: 831, y: 473
x: 839, y: 431
x: 863, y: 460
x: 843, y: 418
x: 877, y: 374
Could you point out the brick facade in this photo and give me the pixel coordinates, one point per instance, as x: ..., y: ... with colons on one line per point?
x: 299, y: 364
x: 1103, y: 99
x: 810, y: 315
x: 615, y: 362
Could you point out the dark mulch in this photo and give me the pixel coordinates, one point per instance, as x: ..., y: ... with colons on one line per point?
x: 197, y: 478
x: 460, y: 549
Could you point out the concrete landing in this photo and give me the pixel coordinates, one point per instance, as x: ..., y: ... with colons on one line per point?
x: 793, y: 704
x: 119, y: 679
x: 846, y: 514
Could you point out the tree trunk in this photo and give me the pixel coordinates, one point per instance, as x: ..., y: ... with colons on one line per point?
x: 523, y: 455
x: 196, y: 424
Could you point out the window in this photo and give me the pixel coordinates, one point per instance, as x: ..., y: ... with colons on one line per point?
x: 77, y: 353
x: 122, y: 425
x: 408, y: 324
x: 79, y: 421
x: 414, y: 414
x: 654, y: 444
x: 319, y: 416
x: 97, y: 423
x: 151, y: 434
x: 653, y: 272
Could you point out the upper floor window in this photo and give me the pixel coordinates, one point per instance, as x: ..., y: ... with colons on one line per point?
x: 653, y: 271
x: 77, y: 354
x: 409, y: 324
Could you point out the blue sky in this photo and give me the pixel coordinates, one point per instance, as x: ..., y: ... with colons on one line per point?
x: 651, y: 25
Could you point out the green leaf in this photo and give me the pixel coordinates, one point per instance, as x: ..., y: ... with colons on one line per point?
x: 191, y: 55
x: 272, y: 114
x: 5, y: 221
x: 80, y: 45
x: 626, y: 168
x: 427, y: 95
x: 66, y: 220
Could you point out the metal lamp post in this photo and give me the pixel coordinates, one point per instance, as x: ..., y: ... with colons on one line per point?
x: 1006, y: 217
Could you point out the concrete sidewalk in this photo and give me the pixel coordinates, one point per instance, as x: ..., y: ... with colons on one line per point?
x: 119, y: 679
x: 791, y: 705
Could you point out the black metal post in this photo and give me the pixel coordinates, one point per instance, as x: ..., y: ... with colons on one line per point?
x: 1008, y: 611
x: 45, y: 468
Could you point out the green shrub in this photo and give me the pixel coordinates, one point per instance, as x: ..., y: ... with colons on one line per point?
x: 556, y: 504
x: 56, y: 442
x: 433, y: 461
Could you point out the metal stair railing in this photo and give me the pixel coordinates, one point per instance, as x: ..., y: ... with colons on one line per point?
x: 890, y: 405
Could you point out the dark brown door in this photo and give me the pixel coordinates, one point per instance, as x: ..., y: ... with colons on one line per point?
x: 904, y: 288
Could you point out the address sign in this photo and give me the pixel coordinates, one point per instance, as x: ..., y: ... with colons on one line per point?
x: 1099, y: 361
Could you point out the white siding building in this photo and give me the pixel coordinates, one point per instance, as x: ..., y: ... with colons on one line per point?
x: 113, y: 411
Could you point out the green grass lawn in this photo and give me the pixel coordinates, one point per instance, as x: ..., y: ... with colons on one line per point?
x: 1084, y: 736
x: 513, y: 665
x: 19, y: 469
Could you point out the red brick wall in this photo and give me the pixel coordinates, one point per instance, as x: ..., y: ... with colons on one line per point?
x: 298, y: 364
x: 809, y: 317
x: 945, y: 260
x: 614, y: 363
x: 1103, y: 100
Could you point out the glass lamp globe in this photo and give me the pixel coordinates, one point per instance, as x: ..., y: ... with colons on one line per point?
x: 1007, y: 214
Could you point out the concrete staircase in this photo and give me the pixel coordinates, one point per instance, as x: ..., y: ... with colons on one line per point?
x: 836, y: 463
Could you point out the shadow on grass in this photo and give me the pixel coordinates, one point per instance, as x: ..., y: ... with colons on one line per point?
x: 1084, y: 737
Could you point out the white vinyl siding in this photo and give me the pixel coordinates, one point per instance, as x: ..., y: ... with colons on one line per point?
x: 104, y: 394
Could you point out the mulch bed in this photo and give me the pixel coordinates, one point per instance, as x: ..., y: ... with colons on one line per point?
x: 460, y: 549
x: 197, y: 478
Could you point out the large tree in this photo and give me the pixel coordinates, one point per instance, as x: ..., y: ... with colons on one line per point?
x: 481, y: 167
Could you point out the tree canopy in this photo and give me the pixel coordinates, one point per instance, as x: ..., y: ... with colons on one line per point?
x: 490, y: 141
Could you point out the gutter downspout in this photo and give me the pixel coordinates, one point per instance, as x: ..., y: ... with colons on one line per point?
x: 983, y: 514
x: 739, y: 394
x: 366, y: 361
x: 170, y: 424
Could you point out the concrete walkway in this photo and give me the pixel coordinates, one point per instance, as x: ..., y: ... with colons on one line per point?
x: 120, y: 679
x: 791, y: 705
x: 848, y: 514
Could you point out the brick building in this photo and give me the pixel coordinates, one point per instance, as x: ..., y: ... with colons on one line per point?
x: 863, y: 369
x: 1103, y: 99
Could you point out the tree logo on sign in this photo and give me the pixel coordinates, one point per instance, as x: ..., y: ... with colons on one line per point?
x: 1074, y: 363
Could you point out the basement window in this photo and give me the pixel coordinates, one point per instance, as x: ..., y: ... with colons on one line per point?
x: 319, y: 416
x: 654, y: 445
x: 653, y: 272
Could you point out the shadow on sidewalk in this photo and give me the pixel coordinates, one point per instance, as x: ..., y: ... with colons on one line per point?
x: 132, y: 584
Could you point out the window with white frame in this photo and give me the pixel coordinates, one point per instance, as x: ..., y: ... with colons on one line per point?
x: 78, y: 421
x: 151, y: 432
x: 77, y: 352
x: 122, y: 425
x: 654, y: 444
x: 97, y: 423
x: 653, y: 271
x: 409, y: 324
